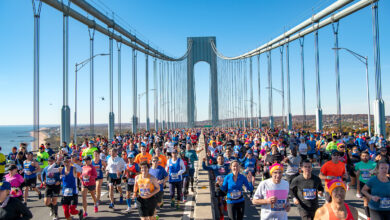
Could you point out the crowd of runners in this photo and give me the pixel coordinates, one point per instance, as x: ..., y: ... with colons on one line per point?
x: 274, y: 168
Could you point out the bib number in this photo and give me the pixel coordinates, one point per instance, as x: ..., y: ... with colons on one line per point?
x: 175, y: 176
x: 50, y: 181
x: 366, y: 175
x: 235, y: 194
x: 384, y: 203
x: 278, y: 206
x: 68, y: 192
x: 131, y: 181
x: 86, y: 179
x: 309, y: 194
x: 144, y: 192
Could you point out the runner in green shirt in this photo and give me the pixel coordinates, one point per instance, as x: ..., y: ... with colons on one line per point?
x: 364, y: 170
x: 89, y: 150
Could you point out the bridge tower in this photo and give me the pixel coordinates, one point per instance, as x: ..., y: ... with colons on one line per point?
x: 201, y: 50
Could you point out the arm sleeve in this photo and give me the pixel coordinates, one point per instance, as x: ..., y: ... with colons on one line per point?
x: 294, y: 188
x: 258, y: 194
x: 206, y: 167
x: 224, y: 186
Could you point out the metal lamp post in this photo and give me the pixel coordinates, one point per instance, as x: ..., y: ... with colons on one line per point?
x: 364, y: 60
x: 79, y: 66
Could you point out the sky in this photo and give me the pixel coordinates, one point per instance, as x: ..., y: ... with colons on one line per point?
x: 239, y: 26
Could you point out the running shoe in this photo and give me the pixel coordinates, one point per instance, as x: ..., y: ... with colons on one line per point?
x: 111, y: 206
x: 121, y: 200
x: 157, y: 217
x: 128, y: 209
x: 172, y: 203
x: 85, y: 215
x: 96, y: 209
x: 184, y: 199
x: 81, y: 216
x: 55, y: 218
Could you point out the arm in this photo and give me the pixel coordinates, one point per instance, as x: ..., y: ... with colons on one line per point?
x: 182, y: 167
x: 135, y: 190
x: 25, y: 213
x: 368, y: 195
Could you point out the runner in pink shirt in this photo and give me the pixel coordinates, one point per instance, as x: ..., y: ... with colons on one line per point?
x: 16, y: 181
x: 88, y: 180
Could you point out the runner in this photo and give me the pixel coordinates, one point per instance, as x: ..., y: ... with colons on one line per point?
x: 42, y: 159
x: 51, y: 179
x: 249, y: 163
x: 305, y: 189
x: 31, y: 168
x: 162, y: 177
x: 88, y: 179
x: 16, y: 180
x: 69, y: 199
x: 272, y: 195
x: 337, y: 208
x: 143, y: 156
x: 175, y: 168
x: 132, y: 169
x: 115, y: 166
x: 12, y: 208
x: 377, y: 190
x: 220, y: 170
x: 232, y: 186
x: 333, y: 169
x: 364, y: 170
x: 3, y: 162
x: 99, y: 167
x: 89, y: 150
x: 145, y: 189
x: 192, y: 156
x: 293, y: 161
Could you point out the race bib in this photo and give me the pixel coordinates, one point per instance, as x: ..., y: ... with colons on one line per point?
x: 365, y: 175
x: 309, y: 194
x: 68, y: 192
x: 384, y: 203
x: 235, y: 194
x: 15, y: 191
x: 175, y: 176
x: 50, y: 181
x: 278, y: 205
x: 85, y: 179
x: 144, y: 192
x: 131, y: 181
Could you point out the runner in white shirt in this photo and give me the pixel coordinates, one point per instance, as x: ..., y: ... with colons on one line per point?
x: 272, y: 195
x: 115, y: 167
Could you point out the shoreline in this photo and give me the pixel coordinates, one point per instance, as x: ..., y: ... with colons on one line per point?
x: 43, y: 135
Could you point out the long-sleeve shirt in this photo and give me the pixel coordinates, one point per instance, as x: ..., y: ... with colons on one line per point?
x: 15, y: 210
x: 233, y: 189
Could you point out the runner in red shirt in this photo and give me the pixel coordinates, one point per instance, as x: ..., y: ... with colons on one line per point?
x: 88, y: 180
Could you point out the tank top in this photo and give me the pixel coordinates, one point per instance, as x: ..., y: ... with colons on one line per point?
x: 30, y: 169
x: 98, y: 167
x: 133, y: 169
x: 174, y: 168
x: 332, y: 216
x: 68, y: 183
x: 145, y: 186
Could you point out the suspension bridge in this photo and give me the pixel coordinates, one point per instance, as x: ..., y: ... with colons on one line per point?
x: 233, y: 79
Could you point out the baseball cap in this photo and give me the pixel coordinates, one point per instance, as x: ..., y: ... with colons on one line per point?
x: 87, y: 157
x: 335, y: 152
x: 130, y: 156
x: 5, y: 186
x: 91, y: 142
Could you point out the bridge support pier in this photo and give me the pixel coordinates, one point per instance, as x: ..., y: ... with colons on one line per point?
x: 289, y: 116
x: 379, y: 114
x: 65, y: 110
x: 134, y: 86
x: 111, y: 117
x: 317, y: 61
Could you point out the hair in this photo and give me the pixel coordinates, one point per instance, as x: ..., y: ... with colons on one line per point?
x: 232, y: 162
x: 144, y: 163
x: 380, y: 162
x: 12, y: 167
x: 305, y: 161
x: 364, y: 152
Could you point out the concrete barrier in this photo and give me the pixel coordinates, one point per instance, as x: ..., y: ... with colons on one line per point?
x: 203, y: 204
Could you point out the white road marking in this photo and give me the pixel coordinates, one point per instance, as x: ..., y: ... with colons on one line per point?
x: 188, y: 213
x: 362, y: 216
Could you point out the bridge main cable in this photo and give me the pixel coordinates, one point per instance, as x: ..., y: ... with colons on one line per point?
x: 288, y: 35
x: 134, y: 42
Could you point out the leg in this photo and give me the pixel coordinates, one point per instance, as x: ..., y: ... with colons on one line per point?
x: 240, y: 210
x: 99, y: 189
x: 84, y: 195
x: 26, y: 194
x: 230, y: 209
x: 93, y: 195
x: 111, y: 192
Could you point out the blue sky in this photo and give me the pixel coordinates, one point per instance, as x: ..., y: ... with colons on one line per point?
x: 239, y: 26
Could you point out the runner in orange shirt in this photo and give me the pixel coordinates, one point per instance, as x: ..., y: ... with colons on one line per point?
x: 333, y: 169
x: 162, y: 159
x: 143, y: 156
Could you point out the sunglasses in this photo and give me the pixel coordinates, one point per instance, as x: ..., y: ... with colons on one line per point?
x: 154, y: 160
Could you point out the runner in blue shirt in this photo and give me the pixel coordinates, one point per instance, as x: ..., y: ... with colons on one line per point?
x: 232, y: 186
x: 161, y: 176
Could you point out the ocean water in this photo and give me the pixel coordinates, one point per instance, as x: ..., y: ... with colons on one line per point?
x: 14, y: 135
